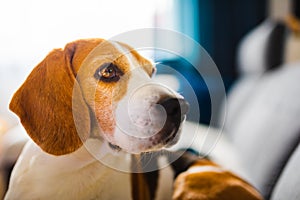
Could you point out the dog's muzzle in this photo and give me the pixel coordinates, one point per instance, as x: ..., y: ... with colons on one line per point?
x: 149, y: 118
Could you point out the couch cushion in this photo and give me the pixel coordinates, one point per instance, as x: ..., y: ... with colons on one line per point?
x: 289, y: 182
x: 266, y: 129
x: 237, y: 100
x: 262, y: 49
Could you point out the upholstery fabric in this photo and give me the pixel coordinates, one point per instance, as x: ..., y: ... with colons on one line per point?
x: 267, y: 129
x: 289, y: 181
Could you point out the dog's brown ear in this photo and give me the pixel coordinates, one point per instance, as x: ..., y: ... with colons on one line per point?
x: 44, y: 104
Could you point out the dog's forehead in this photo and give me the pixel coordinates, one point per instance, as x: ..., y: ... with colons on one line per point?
x: 119, y: 53
x: 135, y: 59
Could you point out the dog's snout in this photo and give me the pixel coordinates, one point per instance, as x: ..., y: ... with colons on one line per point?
x: 174, y: 106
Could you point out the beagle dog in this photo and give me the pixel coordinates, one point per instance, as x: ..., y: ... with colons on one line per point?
x: 99, y: 127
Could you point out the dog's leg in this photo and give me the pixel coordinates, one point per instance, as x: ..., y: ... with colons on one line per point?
x: 202, y: 179
x: 144, y: 180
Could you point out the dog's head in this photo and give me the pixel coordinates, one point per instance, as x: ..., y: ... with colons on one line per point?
x: 98, y: 88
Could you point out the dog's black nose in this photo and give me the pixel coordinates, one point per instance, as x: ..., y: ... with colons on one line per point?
x: 174, y: 106
x: 175, y: 109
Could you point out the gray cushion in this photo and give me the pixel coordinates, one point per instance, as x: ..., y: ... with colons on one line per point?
x: 288, y: 186
x: 262, y: 49
x: 267, y: 127
x: 237, y: 100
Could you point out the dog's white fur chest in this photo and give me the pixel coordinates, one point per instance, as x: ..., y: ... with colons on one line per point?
x: 38, y: 175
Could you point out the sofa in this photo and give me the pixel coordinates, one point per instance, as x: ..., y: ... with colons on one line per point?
x: 263, y: 111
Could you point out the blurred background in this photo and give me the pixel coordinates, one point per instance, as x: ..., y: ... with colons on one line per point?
x: 255, y: 45
x: 30, y: 29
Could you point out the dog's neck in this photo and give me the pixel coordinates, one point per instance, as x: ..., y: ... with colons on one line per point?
x: 74, y: 176
x: 80, y: 175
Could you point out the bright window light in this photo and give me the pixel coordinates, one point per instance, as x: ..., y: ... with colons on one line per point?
x: 32, y: 28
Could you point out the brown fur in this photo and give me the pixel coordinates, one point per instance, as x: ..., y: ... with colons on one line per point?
x: 293, y: 23
x: 101, y: 97
x: 145, y: 64
x: 44, y: 101
x: 140, y: 188
x: 212, y: 186
x: 63, y: 84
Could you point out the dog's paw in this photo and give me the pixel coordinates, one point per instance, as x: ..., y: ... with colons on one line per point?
x: 210, y: 182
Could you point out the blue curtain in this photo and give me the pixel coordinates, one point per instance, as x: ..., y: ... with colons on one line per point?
x: 218, y: 25
x: 222, y: 24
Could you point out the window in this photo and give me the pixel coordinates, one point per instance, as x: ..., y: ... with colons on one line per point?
x: 32, y: 28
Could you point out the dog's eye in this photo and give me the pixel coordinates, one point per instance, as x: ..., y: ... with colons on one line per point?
x: 108, y: 72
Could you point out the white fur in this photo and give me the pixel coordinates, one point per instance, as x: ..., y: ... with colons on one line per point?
x: 204, y: 169
x: 38, y: 175
x: 138, y: 116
